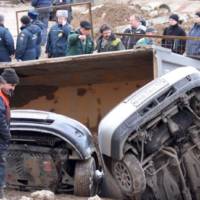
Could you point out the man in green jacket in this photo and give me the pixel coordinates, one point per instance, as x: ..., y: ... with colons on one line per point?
x: 80, y: 41
x: 108, y: 41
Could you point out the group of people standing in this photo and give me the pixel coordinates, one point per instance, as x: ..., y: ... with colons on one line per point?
x: 190, y: 47
x: 63, y: 40
x: 179, y: 45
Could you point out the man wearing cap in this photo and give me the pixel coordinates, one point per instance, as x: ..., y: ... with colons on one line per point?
x: 33, y: 15
x: 176, y: 45
x: 108, y: 41
x: 6, y: 42
x: 28, y: 40
x: 68, y: 8
x: 57, y: 42
x: 147, y: 40
x: 43, y: 8
x: 80, y: 41
x: 193, y: 46
x: 8, y: 81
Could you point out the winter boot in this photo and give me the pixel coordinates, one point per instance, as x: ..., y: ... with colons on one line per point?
x: 2, y: 195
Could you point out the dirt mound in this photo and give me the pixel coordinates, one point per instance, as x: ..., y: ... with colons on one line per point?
x: 110, y: 13
x: 117, y: 15
x: 113, y: 14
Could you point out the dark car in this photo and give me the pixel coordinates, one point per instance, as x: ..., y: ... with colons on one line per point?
x: 51, y: 151
x: 150, y: 142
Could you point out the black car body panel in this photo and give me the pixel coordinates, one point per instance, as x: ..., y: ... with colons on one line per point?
x: 66, y: 128
x: 48, y: 150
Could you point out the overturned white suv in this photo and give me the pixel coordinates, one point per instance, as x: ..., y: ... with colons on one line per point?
x: 150, y: 142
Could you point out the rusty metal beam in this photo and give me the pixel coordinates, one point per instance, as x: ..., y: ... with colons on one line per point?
x: 159, y: 36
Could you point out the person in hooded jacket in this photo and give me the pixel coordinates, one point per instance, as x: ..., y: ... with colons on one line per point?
x: 6, y: 42
x: 193, y: 46
x: 57, y: 42
x: 108, y: 41
x: 33, y: 15
x: 28, y: 40
x: 176, y: 45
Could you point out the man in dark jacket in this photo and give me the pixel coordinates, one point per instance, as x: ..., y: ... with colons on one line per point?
x: 80, y: 41
x: 108, y: 41
x: 28, y: 40
x: 136, y: 28
x: 176, y: 45
x: 43, y: 7
x: 193, y: 46
x: 6, y: 42
x: 33, y: 15
x: 8, y: 81
x: 57, y: 42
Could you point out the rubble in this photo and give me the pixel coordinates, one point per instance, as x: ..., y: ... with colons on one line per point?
x: 40, y: 195
x: 43, y: 195
x: 94, y: 198
x: 25, y: 198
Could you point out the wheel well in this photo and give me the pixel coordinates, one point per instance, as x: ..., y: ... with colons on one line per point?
x: 107, y: 161
x: 97, y: 160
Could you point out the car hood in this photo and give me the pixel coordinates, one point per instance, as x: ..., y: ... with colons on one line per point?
x: 64, y: 127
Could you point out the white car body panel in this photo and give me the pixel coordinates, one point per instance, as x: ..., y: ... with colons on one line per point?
x: 127, y: 107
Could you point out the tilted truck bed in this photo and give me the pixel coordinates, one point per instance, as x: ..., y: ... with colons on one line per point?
x: 86, y: 87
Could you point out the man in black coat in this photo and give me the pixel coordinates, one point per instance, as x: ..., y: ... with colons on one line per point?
x: 8, y: 81
x: 176, y: 45
x: 6, y: 42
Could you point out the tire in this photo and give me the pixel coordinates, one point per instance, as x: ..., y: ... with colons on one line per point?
x: 84, y: 178
x: 129, y: 175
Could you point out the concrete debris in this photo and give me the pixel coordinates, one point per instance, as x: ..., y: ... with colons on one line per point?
x: 25, y: 198
x: 43, y: 195
x: 93, y: 9
x: 94, y: 198
x: 147, y: 8
x: 184, y: 17
x: 120, y: 29
x: 153, y: 13
x: 159, y: 20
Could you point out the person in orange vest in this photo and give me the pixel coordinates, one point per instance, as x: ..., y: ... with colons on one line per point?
x: 8, y: 81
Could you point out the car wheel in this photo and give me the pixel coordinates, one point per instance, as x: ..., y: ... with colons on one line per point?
x: 129, y: 175
x: 84, y: 184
